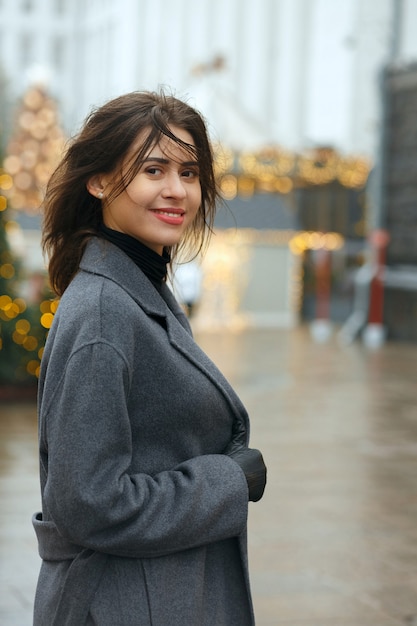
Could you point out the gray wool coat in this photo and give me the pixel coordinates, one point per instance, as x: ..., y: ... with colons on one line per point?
x: 143, y: 518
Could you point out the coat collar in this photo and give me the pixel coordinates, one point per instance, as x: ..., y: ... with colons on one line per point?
x: 105, y: 259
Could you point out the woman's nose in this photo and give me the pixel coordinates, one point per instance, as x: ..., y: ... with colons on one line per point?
x: 174, y: 187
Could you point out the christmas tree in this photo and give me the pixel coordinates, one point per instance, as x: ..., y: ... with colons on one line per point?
x: 34, y: 149
x: 11, y: 307
x: 23, y: 325
x: 32, y: 152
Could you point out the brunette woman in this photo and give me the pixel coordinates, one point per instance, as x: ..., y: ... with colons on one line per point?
x: 145, y: 467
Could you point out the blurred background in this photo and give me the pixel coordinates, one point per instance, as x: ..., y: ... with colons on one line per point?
x: 306, y: 297
x: 311, y: 107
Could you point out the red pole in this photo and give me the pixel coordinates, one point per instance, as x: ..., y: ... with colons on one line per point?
x: 379, y: 241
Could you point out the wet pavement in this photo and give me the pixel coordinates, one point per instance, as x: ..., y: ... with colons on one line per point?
x: 334, y: 540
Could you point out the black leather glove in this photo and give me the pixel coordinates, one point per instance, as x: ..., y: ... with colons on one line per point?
x: 239, y: 436
x: 252, y: 463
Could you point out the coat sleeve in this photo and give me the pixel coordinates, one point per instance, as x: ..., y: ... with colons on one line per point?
x: 90, y: 493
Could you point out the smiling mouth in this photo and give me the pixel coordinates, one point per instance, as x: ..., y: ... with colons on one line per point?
x: 173, y: 217
x: 171, y: 213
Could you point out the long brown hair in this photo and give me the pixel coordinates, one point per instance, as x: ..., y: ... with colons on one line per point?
x: 72, y: 215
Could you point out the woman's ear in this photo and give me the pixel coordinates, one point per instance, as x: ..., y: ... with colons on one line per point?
x: 95, y: 186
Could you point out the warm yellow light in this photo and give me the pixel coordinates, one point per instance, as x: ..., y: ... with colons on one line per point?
x: 353, y: 172
x: 11, y: 227
x: 245, y: 186
x: 12, y: 164
x: 271, y: 165
x: 23, y: 180
x: 33, y: 368
x: 5, y: 301
x: 45, y: 306
x: 284, y: 184
x: 18, y: 338
x: 3, y: 203
x: 23, y: 327
x: 31, y: 145
x: 7, y: 270
x: 315, y: 241
x: 30, y: 343
x: 333, y: 241
x: 267, y: 164
x: 11, y: 311
x: 20, y: 303
x: 33, y: 98
x: 228, y: 186
x: 28, y: 159
x: 223, y: 159
x: 6, y: 181
x: 18, y: 201
x: 46, y: 320
x: 49, y: 306
x: 26, y: 120
x: 297, y: 245
x: 309, y: 240
x: 47, y: 116
x: 43, y: 172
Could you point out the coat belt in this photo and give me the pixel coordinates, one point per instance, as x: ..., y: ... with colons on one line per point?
x: 83, y: 575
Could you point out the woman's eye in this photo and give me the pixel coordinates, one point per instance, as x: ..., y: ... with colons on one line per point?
x: 190, y: 174
x: 154, y: 171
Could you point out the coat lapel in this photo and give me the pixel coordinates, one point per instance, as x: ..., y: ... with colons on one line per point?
x: 105, y: 259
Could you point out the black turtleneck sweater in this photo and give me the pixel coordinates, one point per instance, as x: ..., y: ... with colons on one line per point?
x: 152, y: 264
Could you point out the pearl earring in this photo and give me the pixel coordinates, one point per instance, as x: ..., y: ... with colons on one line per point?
x: 100, y: 195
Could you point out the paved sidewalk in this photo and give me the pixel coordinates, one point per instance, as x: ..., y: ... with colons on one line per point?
x: 334, y: 540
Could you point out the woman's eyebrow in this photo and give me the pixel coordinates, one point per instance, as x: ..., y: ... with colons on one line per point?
x: 155, y: 159
x: 166, y: 161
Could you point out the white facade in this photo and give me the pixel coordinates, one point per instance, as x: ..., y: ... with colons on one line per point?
x: 294, y: 73
x: 297, y: 73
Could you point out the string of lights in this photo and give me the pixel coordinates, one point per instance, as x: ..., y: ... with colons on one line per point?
x: 276, y: 170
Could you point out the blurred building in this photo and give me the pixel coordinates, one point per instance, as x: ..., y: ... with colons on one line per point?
x: 398, y: 190
x: 303, y: 72
x: 301, y: 75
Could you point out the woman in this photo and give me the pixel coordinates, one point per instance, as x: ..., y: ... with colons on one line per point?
x: 145, y: 469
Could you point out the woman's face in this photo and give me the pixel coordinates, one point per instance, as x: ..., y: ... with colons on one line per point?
x: 163, y: 198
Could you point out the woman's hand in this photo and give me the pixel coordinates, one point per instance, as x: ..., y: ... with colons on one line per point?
x: 251, y: 462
